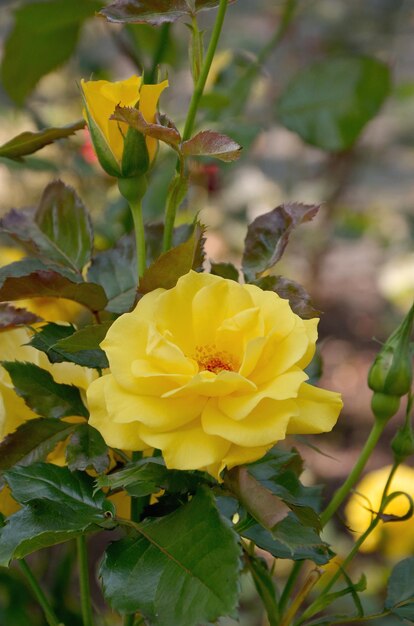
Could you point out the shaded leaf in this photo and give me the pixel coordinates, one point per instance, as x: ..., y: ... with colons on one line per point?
x: 58, y: 505
x: 33, y: 279
x: 135, y: 119
x: 116, y: 271
x: 29, y: 142
x: 268, y: 235
x: 299, y: 299
x: 189, y: 564
x: 149, y: 12
x: 87, y: 450
x: 154, y: 236
x: 168, y: 268
x: 54, y: 26
x: 64, y: 220
x: 42, y: 394
x: 265, y: 587
x: 32, y: 441
x: 225, y: 270
x: 400, y: 591
x: 213, y: 144
x: 329, y: 103
x: 10, y: 317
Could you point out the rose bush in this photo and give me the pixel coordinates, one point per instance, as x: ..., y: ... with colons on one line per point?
x: 210, y: 372
x: 395, y: 540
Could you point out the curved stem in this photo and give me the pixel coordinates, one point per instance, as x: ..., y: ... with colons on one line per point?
x: 208, y: 59
x: 38, y: 592
x: 85, y: 591
x: 353, y: 477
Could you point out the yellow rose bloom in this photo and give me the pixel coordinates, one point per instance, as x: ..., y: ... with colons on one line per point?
x: 101, y: 98
x: 394, y: 539
x: 211, y: 373
x: 13, y: 409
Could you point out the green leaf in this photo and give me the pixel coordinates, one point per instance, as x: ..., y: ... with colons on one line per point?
x: 148, y: 476
x: 42, y: 394
x: 58, y: 505
x: 212, y: 144
x: 65, y: 343
x: 168, y: 268
x: 188, y: 564
x: 32, y: 441
x: 400, y: 591
x: 64, y: 220
x: 146, y: 11
x: 289, y: 540
x: 329, y: 103
x: 278, y: 473
x: 268, y: 235
x: 43, y: 37
x: 29, y: 142
x: 225, y: 270
x: 11, y: 317
x: 115, y: 269
x: 299, y: 299
x: 87, y: 450
x: 33, y: 279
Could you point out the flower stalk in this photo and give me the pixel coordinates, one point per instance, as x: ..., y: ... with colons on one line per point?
x: 85, y: 591
x: 38, y: 592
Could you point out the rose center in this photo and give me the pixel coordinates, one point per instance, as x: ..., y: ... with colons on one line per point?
x: 213, y: 360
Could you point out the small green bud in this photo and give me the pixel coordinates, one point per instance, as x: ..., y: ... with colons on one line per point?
x: 384, y: 406
x: 403, y: 443
x: 391, y: 374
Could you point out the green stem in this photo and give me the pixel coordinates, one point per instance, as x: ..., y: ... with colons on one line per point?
x: 85, y: 591
x: 297, y: 566
x: 129, y: 620
x: 159, y: 53
x: 136, y: 210
x: 38, y: 592
x: 353, y: 477
x: 176, y: 194
x: 208, y: 59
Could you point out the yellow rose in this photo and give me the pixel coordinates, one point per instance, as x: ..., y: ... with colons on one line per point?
x: 395, y: 539
x: 211, y: 373
x: 108, y: 136
x: 13, y: 409
x: 49, y: 309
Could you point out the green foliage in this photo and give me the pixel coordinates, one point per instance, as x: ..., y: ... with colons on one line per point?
x: 65, y: 343
x: 268, y: 235
x: 299, y: 299
x: 54, y: 26
x: 400, y: 592
x: 27, y: 143
x: 168, y: 268
x: 184, y: 578
x: 225, y: 270
x: 265, y: 588
x: 87, y: 450
x: 32, y: 441
x: 57, y: 506
x: 42, y: 394
x: 329, y: 103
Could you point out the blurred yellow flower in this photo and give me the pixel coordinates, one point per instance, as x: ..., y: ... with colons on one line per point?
x: 394, y: 539
x: 211, y: 373
x: 13, y: 410
x: 101, y: 98
x: 49, y: 309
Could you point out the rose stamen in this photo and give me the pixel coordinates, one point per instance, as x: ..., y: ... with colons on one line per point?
x: 212, y: 360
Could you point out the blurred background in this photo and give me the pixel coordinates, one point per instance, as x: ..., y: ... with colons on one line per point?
x: 320, y: 94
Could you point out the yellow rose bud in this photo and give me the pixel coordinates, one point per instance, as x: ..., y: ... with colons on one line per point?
x: 122, y: 151
x: 394, y: 539
x: 210, y: 372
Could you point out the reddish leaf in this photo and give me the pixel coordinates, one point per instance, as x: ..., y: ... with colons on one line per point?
x: 27, y: 143
x: 299, y: 299
x: 168, y: 268
x: 268, y: 235
x: 135, y: 119
x: 10, y: 316
x: 210, y: 143
x: 154, y: 12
